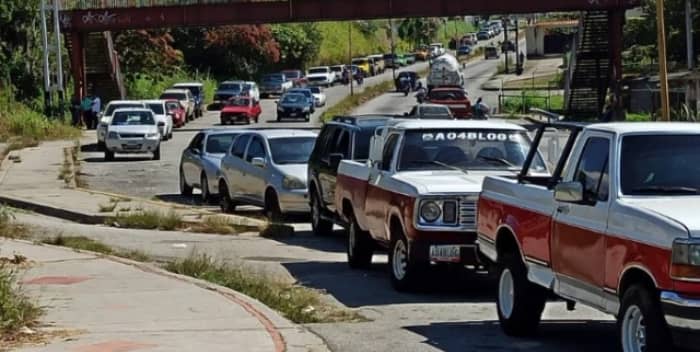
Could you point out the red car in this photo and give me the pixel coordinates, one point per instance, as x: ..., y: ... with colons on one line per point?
x: 452, y: 97
x: 240, y: 109
x: 177, y: 111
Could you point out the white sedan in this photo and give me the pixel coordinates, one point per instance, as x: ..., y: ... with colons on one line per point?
x: 319, y: 96
x: 161, y: 115
x: 133, y: 131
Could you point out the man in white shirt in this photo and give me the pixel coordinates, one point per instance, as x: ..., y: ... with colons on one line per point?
x: 96, y: 108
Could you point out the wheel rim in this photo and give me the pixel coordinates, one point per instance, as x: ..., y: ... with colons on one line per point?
x: 399, y: 261
x: 505, y: 293
x: 633, y: 330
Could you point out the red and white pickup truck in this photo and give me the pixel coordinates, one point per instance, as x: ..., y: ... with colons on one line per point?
x: 417, y: 193
x: 615, y: 227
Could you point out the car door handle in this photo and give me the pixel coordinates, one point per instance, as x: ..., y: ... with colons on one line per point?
x: 563, y: 209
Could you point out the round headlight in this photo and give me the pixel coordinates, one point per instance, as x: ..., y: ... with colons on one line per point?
x: 430, y: 211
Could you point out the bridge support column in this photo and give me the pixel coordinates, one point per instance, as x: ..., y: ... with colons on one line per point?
x: 77, y: 63
x: 616, y: 19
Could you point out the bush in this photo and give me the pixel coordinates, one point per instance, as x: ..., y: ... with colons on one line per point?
x: 20, y: 124
x: 146, y: 87
x: 522, y: 104
x: 16, y: 311
x: 148, y: 220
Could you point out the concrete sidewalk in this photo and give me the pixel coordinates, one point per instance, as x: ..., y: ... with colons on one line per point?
x: 117, y: 305
x: 33, y: 183
x: 533, y: 69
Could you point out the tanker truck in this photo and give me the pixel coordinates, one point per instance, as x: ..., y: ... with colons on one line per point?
x: 444, y: 71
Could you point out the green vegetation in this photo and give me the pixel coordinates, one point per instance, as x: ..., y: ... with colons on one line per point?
x: 8, y: 228
x: 16, y: 310
x: 334, y: 46
x: 554, y: 81
x: 297, y: 303
x: 638, y: 117
x: 349, y: 103
x: 516, y: 104
x: 149, y: 220
x: 454, y: 28
x: 144, y: 86
x: 87, y: 244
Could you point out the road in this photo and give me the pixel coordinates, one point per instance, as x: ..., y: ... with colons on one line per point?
x: 456, y: 312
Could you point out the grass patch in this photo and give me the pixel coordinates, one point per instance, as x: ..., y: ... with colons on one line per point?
x: 349, y: 103
x: 638, y: 117
x: 553, y: 80
x: 8, y: 229
x: 144, y: 86
x: 517, y: 104
x: 148, y: 220
x: 370, y: 38
x: 454, y: 28
x: 107, y: 208
x: 221, y: 225
x: 297, y: 303
x: 87, y: 244
x: 22, y: 127
x: 16, y: 310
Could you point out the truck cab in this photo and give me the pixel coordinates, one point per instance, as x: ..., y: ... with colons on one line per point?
x: 416, y: 194
x: 614, y: 227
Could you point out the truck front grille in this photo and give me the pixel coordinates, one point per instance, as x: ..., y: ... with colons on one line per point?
x: 468, y: 211
x: 131, y: 135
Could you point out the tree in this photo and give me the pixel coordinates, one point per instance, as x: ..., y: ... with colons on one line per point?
x: 299, y: 44
x: 147, y: 52
x: 21, y: 48
x: 418, y: 31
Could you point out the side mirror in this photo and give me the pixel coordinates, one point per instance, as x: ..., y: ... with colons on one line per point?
x: 259, y: 162
x: 196, y: 151
x: 569, y: 192
x: 334, y: 159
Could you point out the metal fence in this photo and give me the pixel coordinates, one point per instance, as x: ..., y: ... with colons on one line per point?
x: 522, y: 102
x: 108, y: 4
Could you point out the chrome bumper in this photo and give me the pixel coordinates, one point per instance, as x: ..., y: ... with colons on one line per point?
x: 127, y: 146
x: 294, y: 201
x: 683, y: 318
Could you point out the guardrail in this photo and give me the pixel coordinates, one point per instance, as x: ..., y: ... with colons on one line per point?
x: 110, y: 4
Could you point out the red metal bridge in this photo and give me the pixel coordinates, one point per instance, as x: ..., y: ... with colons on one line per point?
x: 80, y: 17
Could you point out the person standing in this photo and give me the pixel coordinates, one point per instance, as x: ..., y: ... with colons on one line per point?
x: 86, y: 109
x: 75, y: 111
x: 96, y: 107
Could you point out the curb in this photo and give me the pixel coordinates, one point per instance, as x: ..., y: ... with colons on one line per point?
x: 249, y: 304
x: 53, y: 211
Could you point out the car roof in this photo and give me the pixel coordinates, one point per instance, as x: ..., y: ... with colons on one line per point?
x: 132, y: 109
x: 647, y: 127
x: 232, y: 82
x: 360, y: 121
x: 188, y: 84
x: 176, y: 91
x: 441, y: 89
x: 428, y: 105
x: 215, y: 131
x: 407, y: 124
x: 153, y: 101
x: 125, y: 102
x: 290, y: 92
x: 282, y: 133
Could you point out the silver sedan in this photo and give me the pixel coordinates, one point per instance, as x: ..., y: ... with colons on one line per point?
x: 267, y: 168
x: 200, y: 162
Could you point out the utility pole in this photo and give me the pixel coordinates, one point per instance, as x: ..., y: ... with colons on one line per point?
x: 47, y: 74
x: 689, y: 33
x: 51, y: 46
x: 505, y: 40
x: 393, y: 49
x: 663, y: 80
x: 59, y: 59
x: 350, y: 75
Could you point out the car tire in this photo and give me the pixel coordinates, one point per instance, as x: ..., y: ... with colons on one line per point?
x: 185, y: 189
x: 109, y: 155
x: 225, y: 202
x: 279, y: 118
x: 156, y: 153
x: 641, y: 308
x: 101, y: 146
x: 519, y: 301
x: 307, y: 117
x: 404, y: 271
x: 319, y: 225
x: 360, y: 247
x: 272, y: 207
x: 247, y: 120
x: 204, y: 186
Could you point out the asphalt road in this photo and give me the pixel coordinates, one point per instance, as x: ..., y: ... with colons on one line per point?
x: 455, y: 312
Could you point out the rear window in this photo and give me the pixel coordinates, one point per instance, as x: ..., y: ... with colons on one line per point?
x: 292, y: 74
x: 318, y: 70
x: 447, y: 95
x: 176, y: 96
x: 273, y: 78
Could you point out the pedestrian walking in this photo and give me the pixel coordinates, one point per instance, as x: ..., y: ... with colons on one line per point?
x: 96, y: 107
x: 86, y: 110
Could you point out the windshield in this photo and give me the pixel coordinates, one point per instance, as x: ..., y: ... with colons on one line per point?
x: 112, y: 107
x: 359, y: 61
x: 176, y: 96
x: 172, y: 105
x: 219, y: 143
x: 238, y: 102
x: 236, y: 87
x: 447, y: 95
x: 336, y: 68
x: 157, y: 108
x: 291, y: 150
x: 660, y: 164
x: 435, y: 112
x: 473, y: 149
x: 305, y: 92
x: 315, y: 90
x: 292, y: 74
x: 293, y: 98
x: 273, y: 78
x: 318, y: 70
x: 129, y: 118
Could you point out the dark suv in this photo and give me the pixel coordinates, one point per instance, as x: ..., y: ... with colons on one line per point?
x: 345, y: 137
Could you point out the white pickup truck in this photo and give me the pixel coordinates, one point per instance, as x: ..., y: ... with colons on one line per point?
x: 320, y: 76
x: 616, y: 227
x: 416, y: 195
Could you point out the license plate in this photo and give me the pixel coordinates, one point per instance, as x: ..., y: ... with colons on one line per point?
x: 293, y: 114
x: 131, y: 146
x: 445, y: 253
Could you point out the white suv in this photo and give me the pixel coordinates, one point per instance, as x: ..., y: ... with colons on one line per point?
x: 320, y: 76
x: 133, y: 131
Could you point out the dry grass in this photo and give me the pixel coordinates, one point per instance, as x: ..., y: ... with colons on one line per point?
x: 221, y: 225
x: 16, y: 309
x: 297, y: 303
x: 149, y: 220
x: 9, y: 229
x: 84, y: 243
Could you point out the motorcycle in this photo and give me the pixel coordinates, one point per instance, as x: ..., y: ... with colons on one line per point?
x: 481, y: 111
x: 420, y: 95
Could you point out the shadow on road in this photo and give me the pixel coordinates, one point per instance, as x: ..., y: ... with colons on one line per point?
x: 553, y: 335
x: 371, y: 287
